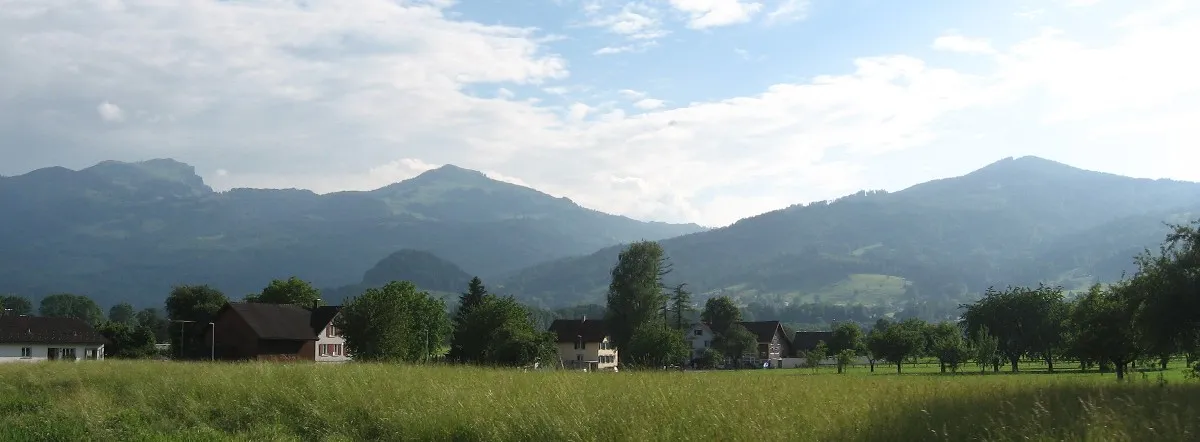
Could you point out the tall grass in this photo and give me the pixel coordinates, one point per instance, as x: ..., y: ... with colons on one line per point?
x: 132, y: 401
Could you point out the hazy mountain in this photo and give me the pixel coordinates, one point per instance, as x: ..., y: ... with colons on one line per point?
x: 128, y: 231
x: 1015, y: 221
x: 425, y: 270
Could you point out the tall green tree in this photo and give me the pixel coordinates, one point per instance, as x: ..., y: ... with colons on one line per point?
x: 681, y: 304
x: 720, y: 314
x: 1027, y: 321
x: 293, y: 291
x: 1163, y: 293
x: 635, y: 293
x: 122, y: 313
x: 504, y: 334
x: 66, y: 305
x: 394, y: 323
x: 189, y: 307
x: 16, y: 305
x: 467, y: 337
x: 735, y: 342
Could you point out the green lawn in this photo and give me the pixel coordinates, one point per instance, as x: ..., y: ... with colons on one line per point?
x: 114, y: 400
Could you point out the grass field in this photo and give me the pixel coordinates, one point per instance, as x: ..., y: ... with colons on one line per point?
x: 133, y: 401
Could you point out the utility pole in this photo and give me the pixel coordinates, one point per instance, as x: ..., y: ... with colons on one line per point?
x: 181, y: 324
x: 212, y: 353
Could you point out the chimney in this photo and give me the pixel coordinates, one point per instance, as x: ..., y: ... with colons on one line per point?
x: 316, y: 302
x: 584, y: 318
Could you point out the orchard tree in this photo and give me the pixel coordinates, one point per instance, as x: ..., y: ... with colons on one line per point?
x: 293, y: 291
x: 844, y: 359
x: 897, y: 342
x: 985, y: 349
x: 635, y: 294
x: 1103, y: 321
x: 813, y: 357
x: 847, y: 336
x: 126, y: 341
x: 948, y: 345
x: 394, y: 323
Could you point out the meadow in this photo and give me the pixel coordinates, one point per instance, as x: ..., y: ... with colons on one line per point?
x: 134, y: 401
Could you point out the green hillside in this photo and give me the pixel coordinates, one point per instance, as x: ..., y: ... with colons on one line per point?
x: 1017, y: 221
x: 129, y: 231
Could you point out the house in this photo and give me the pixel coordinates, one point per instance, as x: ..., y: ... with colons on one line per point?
x: 584, y: 344
x: 701, y: 337
x: 276, y: 332
x: 32, y: 338
x: 773, y: 343
x: 806, y: 341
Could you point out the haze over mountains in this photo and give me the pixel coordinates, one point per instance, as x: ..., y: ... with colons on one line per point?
x: 128, y: 231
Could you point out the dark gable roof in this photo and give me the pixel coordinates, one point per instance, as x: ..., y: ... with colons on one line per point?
x: 765, y: 330
x: 807, y: 340
x: 284, y: 322
x: 568, y: 330
x: 322, y: 316
x: 40, y: 330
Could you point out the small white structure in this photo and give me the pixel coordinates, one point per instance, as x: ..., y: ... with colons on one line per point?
x: 701, y: 337
x: 331, y: 346
x: 33, y: 339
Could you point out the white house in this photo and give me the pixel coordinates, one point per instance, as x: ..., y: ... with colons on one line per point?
x: 331, y: 346
x: 32, y: 339
x: 701, y: 337
x: 584, y: 344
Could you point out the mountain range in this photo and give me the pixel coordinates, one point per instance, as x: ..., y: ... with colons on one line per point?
x: 1016, y: 221
x: 128, y: 231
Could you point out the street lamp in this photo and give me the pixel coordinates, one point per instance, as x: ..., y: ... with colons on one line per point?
x: 212, y: 355
x: 181, y: 324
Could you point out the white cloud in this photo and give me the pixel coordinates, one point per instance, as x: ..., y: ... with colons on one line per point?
x: 648, y: 104
x: 1079, y: 3
x: 957, y: 43
x: 356, y: 94
x: 789, y: 11
x: 110, y: 112
x: 703, y: 14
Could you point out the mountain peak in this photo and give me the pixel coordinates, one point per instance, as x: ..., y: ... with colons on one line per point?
x: 180, y: 176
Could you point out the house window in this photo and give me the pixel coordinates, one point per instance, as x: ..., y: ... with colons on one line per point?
x: 579, y: 357
x: 707, y: 343
x: 26, y: 352
x: 699, y: 332
x: 331, y: 331
x: 68, y: 354
x: 337, y: 349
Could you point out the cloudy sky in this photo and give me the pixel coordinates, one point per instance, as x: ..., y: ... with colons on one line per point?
x: 674, y: 110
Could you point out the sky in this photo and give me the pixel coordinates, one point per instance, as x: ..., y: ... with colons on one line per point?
x: 702, y: 111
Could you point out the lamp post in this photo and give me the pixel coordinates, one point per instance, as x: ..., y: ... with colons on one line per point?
x: 181, y: 324
x: 212, y: 355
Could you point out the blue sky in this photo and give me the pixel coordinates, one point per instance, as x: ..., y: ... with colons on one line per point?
x: 675, y: 110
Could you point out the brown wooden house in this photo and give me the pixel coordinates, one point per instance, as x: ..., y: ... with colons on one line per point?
x: 268, y: 332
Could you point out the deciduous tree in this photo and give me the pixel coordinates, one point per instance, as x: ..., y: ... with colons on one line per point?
x: 198, y: 304
x: 735, y: 342
x: 394, y: 323
x: 65, y: 305
x: 16, y: 305
x: 293, y: 291
x: 655, y: 344
x: 122, y: 313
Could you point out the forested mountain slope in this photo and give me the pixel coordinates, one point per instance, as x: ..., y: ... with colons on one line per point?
x: 128, y: 231
x: 1015, y: 221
